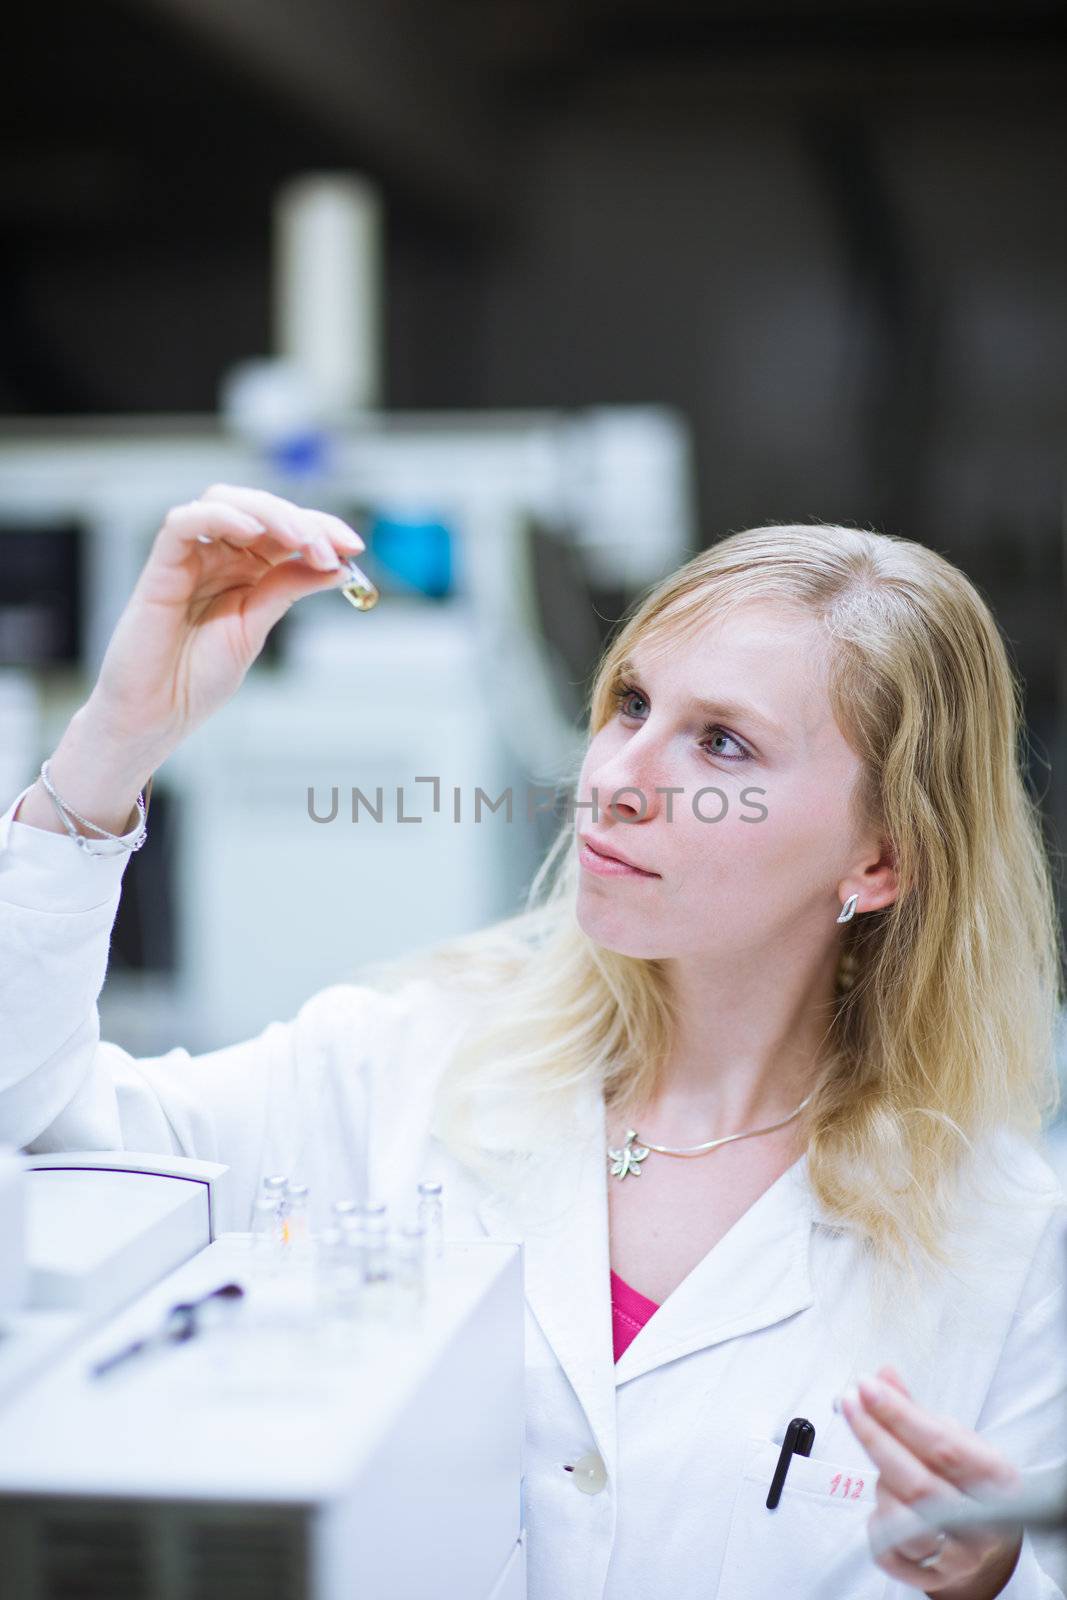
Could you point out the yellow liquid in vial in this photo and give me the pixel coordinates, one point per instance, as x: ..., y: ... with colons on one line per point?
x: 360, y: 592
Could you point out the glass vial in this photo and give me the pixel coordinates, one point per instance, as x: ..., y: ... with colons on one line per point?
x: 409, y: 1270
x: 338, y: 1280
x: 431, y: 1214
x: 378, y: 1283
x: 275, y: 1189
x: 297, y: 1224
x: 360, y: 592
x: 269, y: 1222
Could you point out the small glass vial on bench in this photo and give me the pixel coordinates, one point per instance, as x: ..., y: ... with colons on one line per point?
x: 432, y: 1216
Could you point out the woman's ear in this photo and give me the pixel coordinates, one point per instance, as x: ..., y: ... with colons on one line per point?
x: 875, y: 879
x: 886, y: 868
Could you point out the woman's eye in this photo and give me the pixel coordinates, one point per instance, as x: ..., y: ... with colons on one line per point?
x: 721, y: 733
x: 624, y: 696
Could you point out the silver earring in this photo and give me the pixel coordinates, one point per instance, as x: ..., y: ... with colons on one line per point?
x: 848, y: 908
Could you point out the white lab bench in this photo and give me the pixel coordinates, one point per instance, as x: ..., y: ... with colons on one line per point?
x: 272, y: 1454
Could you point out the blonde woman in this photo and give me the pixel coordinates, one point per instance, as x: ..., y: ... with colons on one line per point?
x: 758, y: 1076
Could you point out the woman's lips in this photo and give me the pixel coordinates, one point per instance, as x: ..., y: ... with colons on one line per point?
x: 607, y: 866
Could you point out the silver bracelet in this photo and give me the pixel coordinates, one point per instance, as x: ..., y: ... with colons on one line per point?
x: 90, y: 846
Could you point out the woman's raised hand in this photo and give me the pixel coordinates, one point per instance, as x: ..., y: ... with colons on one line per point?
x: 221, y: 571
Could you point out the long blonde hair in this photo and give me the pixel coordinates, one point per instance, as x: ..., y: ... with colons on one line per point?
x: 944, y: 1024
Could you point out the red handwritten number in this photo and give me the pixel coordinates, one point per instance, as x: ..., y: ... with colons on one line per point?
x: 834, y: 1481
x: 857, y: 1488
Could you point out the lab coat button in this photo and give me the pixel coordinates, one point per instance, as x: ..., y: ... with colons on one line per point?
x: 589, y: 1473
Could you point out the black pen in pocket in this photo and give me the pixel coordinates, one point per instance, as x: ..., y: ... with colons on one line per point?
x: 799, y: 1438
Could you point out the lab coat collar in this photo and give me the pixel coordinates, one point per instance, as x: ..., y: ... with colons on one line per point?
x: 756, y: 1275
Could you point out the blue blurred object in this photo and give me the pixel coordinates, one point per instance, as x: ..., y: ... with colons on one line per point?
x: 417, y: 550
x: 301, y: 454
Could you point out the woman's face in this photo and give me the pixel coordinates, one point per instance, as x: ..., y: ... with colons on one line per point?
x: 759, y: 858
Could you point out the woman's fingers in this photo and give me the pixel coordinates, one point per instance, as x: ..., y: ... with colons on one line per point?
x: 347, y: 540
x: 208, y: 518
x: 921, y: 1456
x: 276, y: 591
x: 209, y: 521
x: 916, y: 1445
x: 905, y: 1550
x: 319, y: 530
x: 901, y: 1470
x: 958, y: 1560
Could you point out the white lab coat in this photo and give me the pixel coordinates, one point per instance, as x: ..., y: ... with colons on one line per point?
x: 686, y: 1428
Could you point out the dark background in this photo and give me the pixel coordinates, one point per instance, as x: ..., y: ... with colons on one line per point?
x: 833, y: 235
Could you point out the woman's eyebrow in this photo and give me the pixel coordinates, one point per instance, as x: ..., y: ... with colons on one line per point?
x: 735, y: 710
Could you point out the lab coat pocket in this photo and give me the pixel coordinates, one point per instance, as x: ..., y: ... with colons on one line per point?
x: 814, y: 1543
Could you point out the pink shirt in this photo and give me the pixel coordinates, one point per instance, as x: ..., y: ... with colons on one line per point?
x: 629, y: 1312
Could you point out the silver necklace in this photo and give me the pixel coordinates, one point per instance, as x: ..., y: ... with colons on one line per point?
x: 629, y: 1158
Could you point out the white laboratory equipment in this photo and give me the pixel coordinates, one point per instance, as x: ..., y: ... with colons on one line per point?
x: 472, y: 686
x: 82, y: 1233
x: 266, y: 1453
x: 13, y: 1268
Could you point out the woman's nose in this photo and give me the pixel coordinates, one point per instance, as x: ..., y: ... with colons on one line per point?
x: 627, y: 783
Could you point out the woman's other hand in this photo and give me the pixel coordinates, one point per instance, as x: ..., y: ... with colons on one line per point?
x: 920, y: 1454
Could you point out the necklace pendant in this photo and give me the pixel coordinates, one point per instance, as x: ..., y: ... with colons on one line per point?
x: 628, y: 1159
